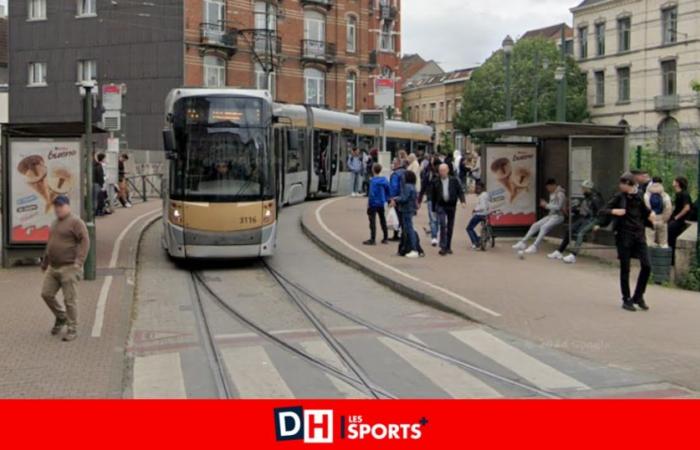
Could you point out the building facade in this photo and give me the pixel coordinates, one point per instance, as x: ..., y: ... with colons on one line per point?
x: 436, y: 100
x: 340, y: 54
x: 641, y: 57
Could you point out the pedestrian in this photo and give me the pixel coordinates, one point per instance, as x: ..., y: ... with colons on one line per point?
x: 355, y: 165
x: 480, y: 214
x: 681, y: 212
x: 123, y: 185
x: 62, y: 265
x: 464, y: 172
x: 446, y: 192
x: 98, y: 184
x: 396, y: 182
x: 584, y: 220
x: 429, y: 174
x: 414, y: 166
x: 659, y: 202
x: 378, y: 196
x: 631, y: 217
x: 556, y: 210
x: 643, y: 180
x: 407, y: 204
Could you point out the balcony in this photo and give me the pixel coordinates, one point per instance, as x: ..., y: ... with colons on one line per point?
x: 328, y: 4
x: 388, y: 12
x: 666, y: 103
x: 267, y: 44
x: 318, y: 51
x: 219, y: 35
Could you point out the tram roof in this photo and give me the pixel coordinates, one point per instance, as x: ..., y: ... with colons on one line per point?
x: 184, y: 92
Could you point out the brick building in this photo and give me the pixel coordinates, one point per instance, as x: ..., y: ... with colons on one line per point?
x: 342, y: 54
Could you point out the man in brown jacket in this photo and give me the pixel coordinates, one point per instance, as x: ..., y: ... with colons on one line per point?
x: 63, y: 266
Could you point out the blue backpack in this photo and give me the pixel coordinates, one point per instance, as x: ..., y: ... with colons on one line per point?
x: 656, y: 201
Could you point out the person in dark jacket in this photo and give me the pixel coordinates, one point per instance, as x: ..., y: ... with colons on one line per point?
x: 631, y: 217
x: 98, y: 184
x: 408, y: 205
x: 396, y: 182
x: 429, y: 174
x: 446, y: 191
x: 681, y: 211
x: 378, y: 193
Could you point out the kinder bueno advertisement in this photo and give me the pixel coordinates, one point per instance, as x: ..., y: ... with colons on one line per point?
x: 41, y: 170
x: 511, y: 181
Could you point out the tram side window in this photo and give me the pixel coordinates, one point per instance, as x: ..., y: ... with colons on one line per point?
x: 294, y: 151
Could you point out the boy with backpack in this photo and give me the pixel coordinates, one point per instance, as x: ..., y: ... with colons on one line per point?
x: 378, y: 196
x: 659, y: 202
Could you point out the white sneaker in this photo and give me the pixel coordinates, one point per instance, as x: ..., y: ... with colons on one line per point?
x: 520, y: 246
x: 531, y: 250
x: 434, y: 242
x: 413, y: 255
x: 555, y: 255
x: 128, y: 205
x: 571, y: 259
x: 475, y: 247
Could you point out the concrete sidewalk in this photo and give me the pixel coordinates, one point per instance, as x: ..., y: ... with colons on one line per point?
x: 572, y: 308
x: 34, y: 364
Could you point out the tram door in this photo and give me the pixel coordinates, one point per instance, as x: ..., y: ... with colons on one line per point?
x: 326, y: 162
x: 280, y: 155
x: 334, y: 168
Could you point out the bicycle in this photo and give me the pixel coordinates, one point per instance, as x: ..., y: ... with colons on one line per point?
x: 487, y: 235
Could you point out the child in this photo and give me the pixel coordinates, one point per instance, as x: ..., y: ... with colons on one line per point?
x: 378, y: 196
x: 408, y: 204
x: 481, y: 212
x: 658, y: 201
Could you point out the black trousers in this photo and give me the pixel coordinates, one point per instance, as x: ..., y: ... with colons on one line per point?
x: 373, y: 212
x: 629, y: 248
x: 446, y: 219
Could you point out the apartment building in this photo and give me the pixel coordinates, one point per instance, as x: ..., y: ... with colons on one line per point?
x: 339, y: 54
x: 641, y: 57
x: 436, y: 100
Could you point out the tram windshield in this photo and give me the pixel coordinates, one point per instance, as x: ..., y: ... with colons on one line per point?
x: 226, y: 157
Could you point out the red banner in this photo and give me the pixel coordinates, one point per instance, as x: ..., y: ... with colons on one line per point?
x: 348, y: 424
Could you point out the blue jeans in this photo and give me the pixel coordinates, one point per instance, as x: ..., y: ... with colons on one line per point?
x: 407, y: 229
x: 476, y: 220
x: 356, y: 182
x: 432, y: 219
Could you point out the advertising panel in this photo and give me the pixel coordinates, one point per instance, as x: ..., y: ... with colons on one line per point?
x: 512, y: 184
x: 41, y: 170
x: 384, y: 93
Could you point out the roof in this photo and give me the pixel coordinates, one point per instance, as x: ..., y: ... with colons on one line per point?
x: 412, y: 64
x: 554, y: 130
x: 550, y: 32
x: 587, y: 3
x: 444, y: 78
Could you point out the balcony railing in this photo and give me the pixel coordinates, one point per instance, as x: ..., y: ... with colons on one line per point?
x: 318, y: 51
x: 218, y: 34
x: 267, y: 43
x: 323, y: 3
x: 665, y: 103
x: 388, y: 12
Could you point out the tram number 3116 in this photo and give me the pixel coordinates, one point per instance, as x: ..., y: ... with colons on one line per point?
x: 249, y: 220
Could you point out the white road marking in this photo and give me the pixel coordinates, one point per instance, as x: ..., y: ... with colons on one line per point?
x: 538, y: 373
x: 107, y: 283
x: 453, y: 380
x: 322, y: 351
x: 254, y: 374
x: 159, y: 377
x: 395, y: 270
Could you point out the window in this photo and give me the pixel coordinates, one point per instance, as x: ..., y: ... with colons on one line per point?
x: 441, y: 112
x: 351, y: 34
x: 433, y: 107
x: 315, y: 86
x: 265, y: 26
x: 600, y: 39
x: 669, y: 135
x: 87, y: 70
x: 265, y: 81
x: 214, y: 71
x: 213, y: 26
x: 37, y: 74
x: 350, y: 91
x: 87, y: 8
x: 36, y: 9
x: 386, y: 38
x: 668, y: 76
x: 624, y: 30
x: 599, y: 88
x: 623, y: 84
x: 669, y: 25
x: 583, y: 42
x: 314, y: 26
x: 449, y: 111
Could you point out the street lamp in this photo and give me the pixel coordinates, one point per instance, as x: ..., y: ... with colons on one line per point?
x: 545, y: 66
x: 86, y: 90
x: 507, y: 52
x: 560, y: 76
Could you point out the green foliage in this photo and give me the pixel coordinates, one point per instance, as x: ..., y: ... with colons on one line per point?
x: 668, y: 167
x: 696, y: 85
x: 484, y: 95
x: 446, y: 147
x: 691, y: 281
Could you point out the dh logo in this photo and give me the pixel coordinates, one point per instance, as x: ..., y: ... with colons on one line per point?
x: 311, y: 426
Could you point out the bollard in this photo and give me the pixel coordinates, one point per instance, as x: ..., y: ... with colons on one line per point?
x: 144, y: 196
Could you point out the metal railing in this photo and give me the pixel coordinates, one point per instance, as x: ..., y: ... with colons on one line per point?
x: 324, y: 3
x: 146, y: 186
x: 388, y: 12
x: 318, y: 50
x: 267, y: 41
x: 666, y: 103
x: 218, y: 34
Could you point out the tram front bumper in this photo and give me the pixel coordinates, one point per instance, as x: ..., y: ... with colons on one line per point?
x: 182, y: 243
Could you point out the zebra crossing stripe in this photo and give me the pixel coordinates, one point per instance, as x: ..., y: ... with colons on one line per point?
x: 536, y: 372
x: 321, y: 350
x: 159, y: 377
x: 254, y: 374
x: 453, y: 380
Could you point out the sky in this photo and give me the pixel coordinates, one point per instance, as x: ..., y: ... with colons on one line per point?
x: 463, y: 33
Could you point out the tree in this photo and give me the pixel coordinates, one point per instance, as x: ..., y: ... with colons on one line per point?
x: 484, y: 95
x: 696, y: 86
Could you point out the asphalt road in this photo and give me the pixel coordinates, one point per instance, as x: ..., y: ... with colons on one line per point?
x: 445, y: 357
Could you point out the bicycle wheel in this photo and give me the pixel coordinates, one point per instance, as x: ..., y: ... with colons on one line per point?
x: 485, y: 238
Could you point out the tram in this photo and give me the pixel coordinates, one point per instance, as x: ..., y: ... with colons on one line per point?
x: 234, y: 158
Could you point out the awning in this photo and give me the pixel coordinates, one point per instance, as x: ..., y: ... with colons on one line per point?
x: 553, y: 130
x: 48, y: 130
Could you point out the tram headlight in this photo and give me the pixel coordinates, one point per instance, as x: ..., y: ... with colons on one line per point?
x: 268, y: 213
x: 176, y: 215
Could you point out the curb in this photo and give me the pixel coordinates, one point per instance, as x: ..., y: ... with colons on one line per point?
x: 412, y: 293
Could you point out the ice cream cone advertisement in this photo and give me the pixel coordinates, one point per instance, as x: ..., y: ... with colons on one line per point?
x: 40, y: 171
x: 511, y: 174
